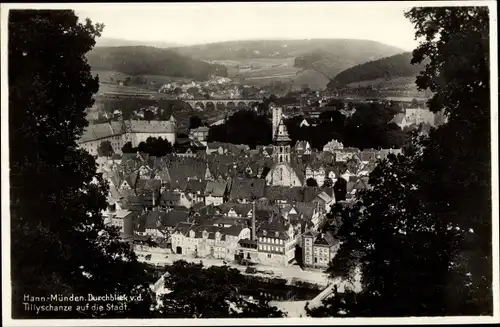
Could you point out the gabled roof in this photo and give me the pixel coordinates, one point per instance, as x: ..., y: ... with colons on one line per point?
x: 216, y: 188
x: 152, y: 126
x: 94, y: 132
x: 196, y: 185
x: 276, y: 228
x: 170, y: 196
x: 325, y: 239
x: 398, y: 119
x: 274, y: 193
x: 240, y: 208
x: 246, y: 188
x: 310, y: 192
x: 173, y: 218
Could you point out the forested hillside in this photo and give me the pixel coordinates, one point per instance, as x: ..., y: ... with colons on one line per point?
x: 138, y: 60
x: 385, y: 68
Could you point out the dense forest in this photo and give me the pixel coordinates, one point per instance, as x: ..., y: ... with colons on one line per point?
x: 142, y: 60
x: 243, y: 127
x: 385, y: 68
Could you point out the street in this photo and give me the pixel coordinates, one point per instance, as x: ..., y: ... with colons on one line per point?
x: 287, y: 273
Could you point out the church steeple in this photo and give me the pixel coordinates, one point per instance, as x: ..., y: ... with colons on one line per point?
x: 281, y: 144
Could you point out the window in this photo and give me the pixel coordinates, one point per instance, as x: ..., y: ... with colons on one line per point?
x: 269, y: 255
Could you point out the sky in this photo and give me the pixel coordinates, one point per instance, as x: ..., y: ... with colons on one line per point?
x: 197, y: 23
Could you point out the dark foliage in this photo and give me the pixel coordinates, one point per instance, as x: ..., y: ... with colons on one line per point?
x: 367, y: 128
x: 243, y: 127
x: 106, y: 149
x: 156, y: 147
x: 386, y: 68
x: 311, y: 182
x: 59, y: 244
x: 143, y: 60
x: 422, y: 235
x: 195, y: 122
x: 213, y: 292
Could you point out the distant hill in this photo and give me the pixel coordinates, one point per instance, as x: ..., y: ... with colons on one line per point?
x: 140, y: 60
x: 114, y: 42
x: 310, y: 77
x: 397, y: 67
x: 355, y: 51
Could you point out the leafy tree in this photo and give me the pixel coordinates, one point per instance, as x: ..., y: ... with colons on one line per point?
x: 157, y: 147
x: 311, y: 182
x: 422, y: 235
x: 214, y: 292
x: 149, y: 115
x: 106, y: 149
x: 59, y: 244
x: 128, y: 148
x: 195, y: 122
x: 243, y: 127
x: 177, y: 91
x: 340, y: 189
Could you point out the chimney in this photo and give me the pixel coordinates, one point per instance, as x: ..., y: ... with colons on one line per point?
x: 253, y: 221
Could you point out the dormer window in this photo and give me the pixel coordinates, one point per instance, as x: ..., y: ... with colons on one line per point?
x: 277, y: 234
x: 264, y: 232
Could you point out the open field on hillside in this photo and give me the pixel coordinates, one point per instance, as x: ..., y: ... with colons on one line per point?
x: 108, y: 82
x: 259, y: 67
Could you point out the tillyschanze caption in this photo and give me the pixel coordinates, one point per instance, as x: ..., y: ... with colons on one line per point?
x: 79, y: 303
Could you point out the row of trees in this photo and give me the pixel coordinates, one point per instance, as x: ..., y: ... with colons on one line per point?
x: 368, y: 127
x: 243, y: 127
x: 422, y: 235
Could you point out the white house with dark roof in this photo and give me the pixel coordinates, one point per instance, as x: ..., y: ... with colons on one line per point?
x: 208, y: 241
x: 215, y: 192
x: 120, y: 132
x: 276, y: 240
x: 141, y: 130
x: 318, y: 249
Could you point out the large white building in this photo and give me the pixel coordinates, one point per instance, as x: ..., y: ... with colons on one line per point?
x: 120, y: 132
x: 419, y: 116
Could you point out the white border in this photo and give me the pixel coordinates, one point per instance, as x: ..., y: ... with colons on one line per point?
x: 6, y: 287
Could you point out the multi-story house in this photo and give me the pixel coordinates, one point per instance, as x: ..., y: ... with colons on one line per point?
x: 246, y: 190
x: 116, y: 218
x: 171, y: 198
x: 200, y: 134
x: 215, y: 192
x: 120, y: 132
x: 316, y: 172
x: 333, y: 145
x: 318, y: 249
x: 195, y: 189
x: 276, y: 241
x: 302, y: 148
x: 208, y: 241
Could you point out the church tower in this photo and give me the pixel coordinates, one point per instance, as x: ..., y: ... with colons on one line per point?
x: 277, y: 116
x: 281, y: 144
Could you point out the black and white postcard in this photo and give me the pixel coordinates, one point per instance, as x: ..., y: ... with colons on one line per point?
x: 253, y: 163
